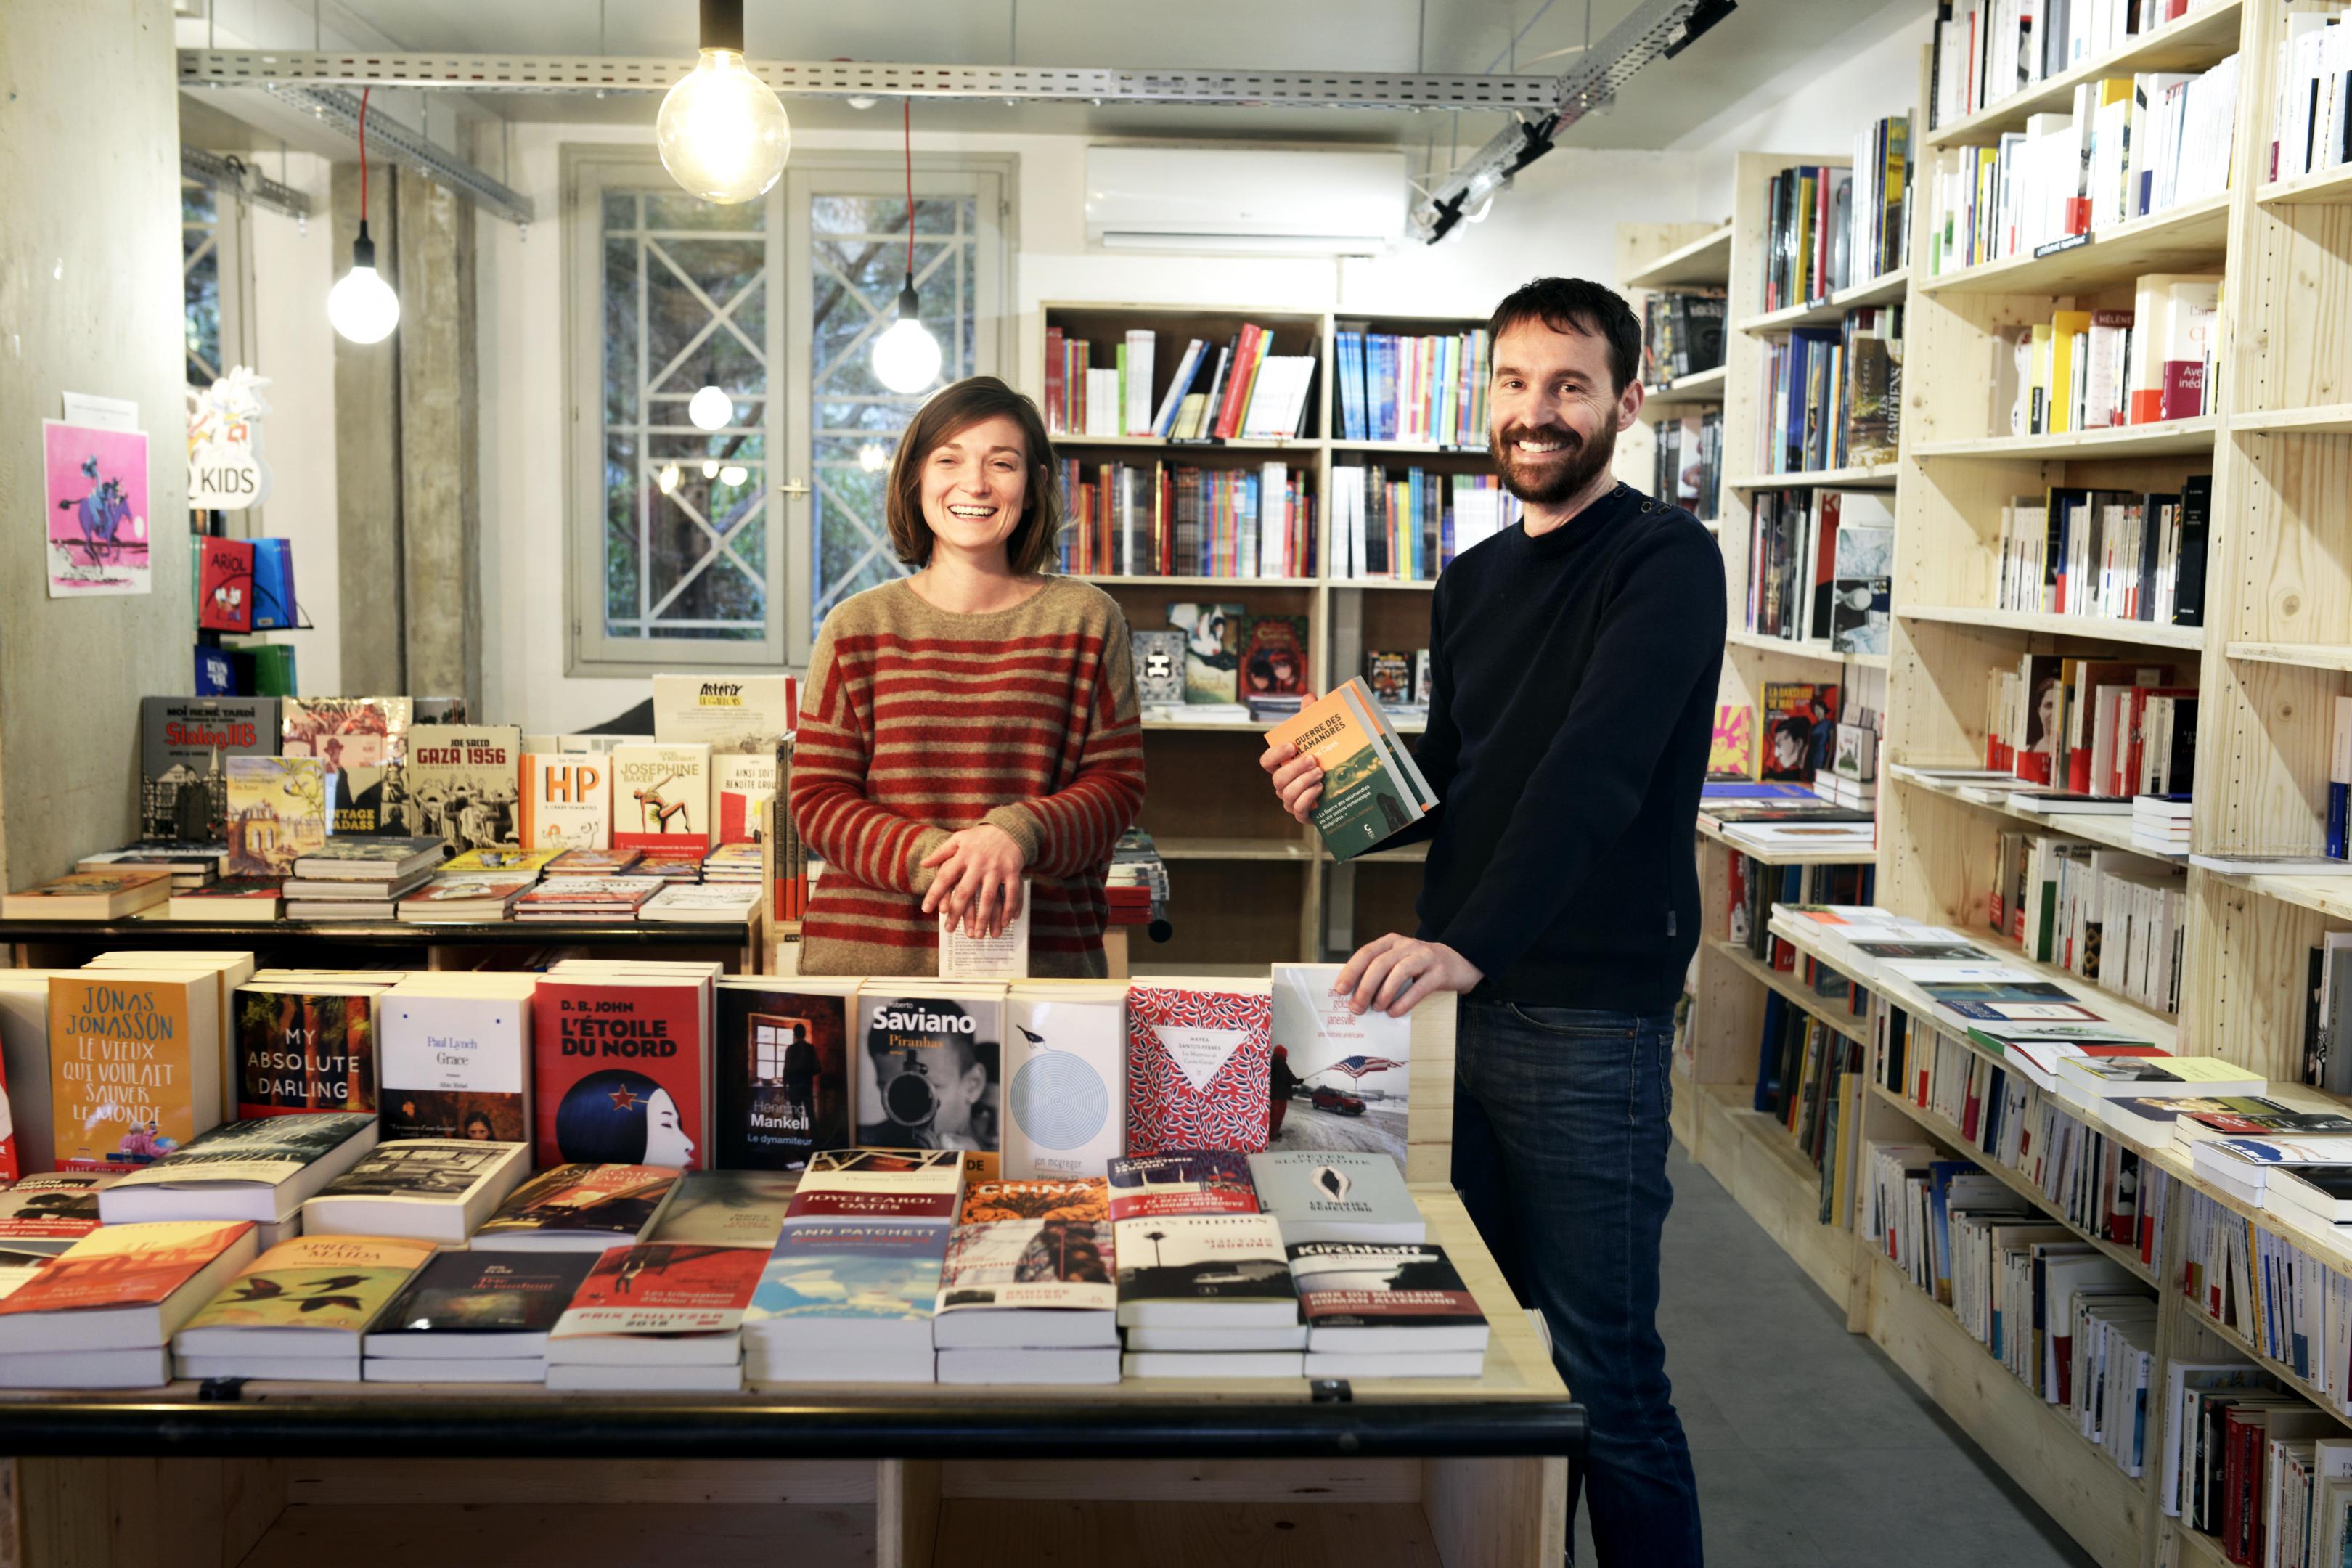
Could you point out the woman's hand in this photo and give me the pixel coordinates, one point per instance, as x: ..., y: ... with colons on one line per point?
x: 979, y: 880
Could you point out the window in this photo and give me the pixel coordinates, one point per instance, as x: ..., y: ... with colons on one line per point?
x: 693, y: 547
x: 213, y: 286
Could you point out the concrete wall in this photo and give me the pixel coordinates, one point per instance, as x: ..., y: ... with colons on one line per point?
x: 90, y: 301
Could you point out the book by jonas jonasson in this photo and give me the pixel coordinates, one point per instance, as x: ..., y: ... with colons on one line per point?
x: 1371, y: 789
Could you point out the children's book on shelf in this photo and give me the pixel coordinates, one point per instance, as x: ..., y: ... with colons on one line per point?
x: 1065, y: 1079
x: 578, y: 1208
x: 362, y: 744
x: 781, y: 1062
x: 259, y: 1170
x: 1211, y: 649
x: 279, y: 810
x: 1199, y: 1062
x: 455, y: 1058
x: 436, y: 1189
x: 184, y: 744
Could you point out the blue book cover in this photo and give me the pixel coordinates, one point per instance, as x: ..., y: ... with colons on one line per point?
x: 273, y: 586
x: 1384, y: 387
x: 852, y: 1268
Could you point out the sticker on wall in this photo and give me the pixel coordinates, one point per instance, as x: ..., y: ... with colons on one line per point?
x: 225, y: 468
x: 95, y: 507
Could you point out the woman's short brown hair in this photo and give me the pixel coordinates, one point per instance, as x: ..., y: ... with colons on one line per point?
x: 950, y: 412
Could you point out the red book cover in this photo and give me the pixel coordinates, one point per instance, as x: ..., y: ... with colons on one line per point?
x: 664, y: 1287
x: 126, y: 1266
x: 225, y: 587
x: 618, y: 1072
x: 1200, y: 1064
x: 1054, y: 411
x: 2183, y: 396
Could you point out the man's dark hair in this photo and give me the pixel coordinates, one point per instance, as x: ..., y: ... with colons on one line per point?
x: 1576, y: 305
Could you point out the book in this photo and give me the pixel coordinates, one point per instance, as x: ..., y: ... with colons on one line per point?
x: 618, y: 1069
x: 463, y: 785
x: 928, y: 1078
x: 2087, y: 1076
x: 184, y: 744
x: 597, y: 865
x: 459, y: 899
x: 48, y: 1211
x: 454, y: 1057
x: 908, y: 1187
x: 124, y: 1286
x: 479, y: 1306
x: 255, y: 898
x: 1199, y: 1061
x: 1342, y: 1080
x: 846, y: 1300
x: 1337, y: 1195
x: 1030, y: 1284
x: 1159, y: 656
x: 1383, y: 1297
x: 299, y: 1310
x: 725, y: 1208
x: 1066, y: 1078
x: 134, y: 1064
x: 507, y: 861
x: 780, y: 1064
x: 1731, y: 749
x: 661, y: 795
x: 1389, y: 675
x: 1184, y: 1270
x: 1273, y: 656
x: 1182, y: 1181
x: 577, y: 1209
x: 710, y: 904
x: 1370, y: 791
x: 305, y: 1049
x: 1797, y: 724
x: 90, y: 895
x: 433, y: 1189
x: 567, y: 801
x: 1006, y: 1199
x: 739, y: 712
x: 362, y: 746
x: 1004, y: 956
x: 1211, y: 649
x: 260, y: 1169
x: 659, y: 1302
x: 363, y: 867
x: 1212, y: 1361
x: 278, y: 812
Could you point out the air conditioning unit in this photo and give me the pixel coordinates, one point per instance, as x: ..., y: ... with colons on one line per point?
x: 1253, y: 200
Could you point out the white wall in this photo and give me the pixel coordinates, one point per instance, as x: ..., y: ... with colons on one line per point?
x: 1562, y: 218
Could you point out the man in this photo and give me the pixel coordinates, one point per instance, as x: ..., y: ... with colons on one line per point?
x: 1574, y: 660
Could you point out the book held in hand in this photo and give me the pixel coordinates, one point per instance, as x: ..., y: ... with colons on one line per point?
x: 1372, y: 788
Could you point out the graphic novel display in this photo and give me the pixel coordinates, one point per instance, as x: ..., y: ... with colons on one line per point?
x: 184, y: 746
x: 462, y: 785
x: 362, y: 745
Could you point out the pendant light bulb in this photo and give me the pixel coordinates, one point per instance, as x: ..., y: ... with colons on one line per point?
x: 362, y: 305
x: 722, y: 132
x: 710, y: 409
x: 907, y: 357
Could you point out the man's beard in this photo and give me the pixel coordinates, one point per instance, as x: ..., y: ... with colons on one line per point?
x: 1551, y: 483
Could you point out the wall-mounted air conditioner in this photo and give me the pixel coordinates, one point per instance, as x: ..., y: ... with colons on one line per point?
x: 1250, y: 201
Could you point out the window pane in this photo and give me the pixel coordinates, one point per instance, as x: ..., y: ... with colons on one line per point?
x: 686, y: 303
x: 200, y: 280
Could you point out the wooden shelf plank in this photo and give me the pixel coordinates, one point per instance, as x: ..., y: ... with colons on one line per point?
x: 2272, y: 1365
x: 2148, y: 634
x: 2194, y: 1548
x: 1414, y: 449
x: 2194, y: 41
x: 2179, y: 240
x: 1710, y: 828
x: 2329, y: 896
x: 1888, y: 288
x: 2305, y: 655
x: 2328, y: 187
x: 1793, y: 991
x: 1817, y: 652
x: 1699, y: 386
x: 2320, y: 419
x: 1421, y: 585
x: 1161, y: 444
x: 2184, y: 438
x: 1118, y: 580
x: 2015, y: 1181
x: 1881, y: 477
x: 2113, y: 832
x: 1704, y: 261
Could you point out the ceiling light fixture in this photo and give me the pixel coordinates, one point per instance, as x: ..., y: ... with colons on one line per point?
x: 722, y: 132
x: 907, y: 356
x: 362, y: 305
x: 710, y: 409
x: 668, y: 478
x: 872, y: 457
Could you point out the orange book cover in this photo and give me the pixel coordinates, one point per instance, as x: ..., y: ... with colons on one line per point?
x: 123, y: 1068
x: 1078, y: 1198
x: 126, y: 1266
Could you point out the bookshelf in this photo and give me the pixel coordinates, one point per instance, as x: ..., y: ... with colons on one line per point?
x: 2275, y: 653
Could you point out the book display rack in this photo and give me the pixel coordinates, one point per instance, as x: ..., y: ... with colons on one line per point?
x: 2271, y: 658
x: 1276, y: 893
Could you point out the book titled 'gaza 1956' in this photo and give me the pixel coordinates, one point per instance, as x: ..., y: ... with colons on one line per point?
x: 1372, y: 788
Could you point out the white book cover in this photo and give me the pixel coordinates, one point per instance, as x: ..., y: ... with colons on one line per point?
x: 742, y: 783
x: 567, y: 801
x: 661, y: 795
x: 452, y: 1065
x: 1348, y: 1075
x: 745, y: 714
x: 1004, y: 956
x: 1065, y: 1079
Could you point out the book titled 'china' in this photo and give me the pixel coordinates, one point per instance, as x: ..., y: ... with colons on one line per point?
x: 1199, y: 1061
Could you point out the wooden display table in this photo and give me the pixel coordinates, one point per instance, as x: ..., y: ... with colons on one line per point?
x: 1458, y: 1473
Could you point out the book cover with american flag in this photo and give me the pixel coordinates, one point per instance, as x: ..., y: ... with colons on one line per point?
x: 1347, y: 1076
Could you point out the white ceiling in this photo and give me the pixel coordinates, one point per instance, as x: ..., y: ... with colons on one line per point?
x: 1763, y: 41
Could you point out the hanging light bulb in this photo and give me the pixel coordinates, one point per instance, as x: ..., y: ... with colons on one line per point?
x: 872, y: 457
x: 907, y: 356
x: 668, y: 478
x: 722, y: 132
x: 733, y: 474
x: 710, y: 409
x: 710, y: 468
x: 362, y: 305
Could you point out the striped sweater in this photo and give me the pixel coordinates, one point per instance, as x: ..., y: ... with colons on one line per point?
x: 915, y: 721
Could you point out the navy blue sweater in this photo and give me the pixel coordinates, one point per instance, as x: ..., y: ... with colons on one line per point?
x: 1573, y: 685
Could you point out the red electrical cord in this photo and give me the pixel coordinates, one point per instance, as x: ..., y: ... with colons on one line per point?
x: 907, y: 126
x: 363, y: 98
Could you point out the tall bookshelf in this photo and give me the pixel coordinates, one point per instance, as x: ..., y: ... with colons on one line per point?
x: 1250, y: 883
x: 2275, y: 650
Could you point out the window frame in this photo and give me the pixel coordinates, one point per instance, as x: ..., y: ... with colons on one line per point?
x: 586, y: 172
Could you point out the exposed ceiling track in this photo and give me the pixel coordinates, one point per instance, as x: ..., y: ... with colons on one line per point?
x: 224, y: 173
x: 1656, y: 28
x: 849, y: 78
x: 396, y: 143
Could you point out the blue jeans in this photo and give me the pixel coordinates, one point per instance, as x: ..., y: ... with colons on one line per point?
x: 1560, y: 1153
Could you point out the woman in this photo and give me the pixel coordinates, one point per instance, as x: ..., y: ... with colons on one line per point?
x: 972, y: 724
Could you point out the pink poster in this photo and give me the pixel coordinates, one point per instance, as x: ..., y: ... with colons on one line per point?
x: 96, y: 507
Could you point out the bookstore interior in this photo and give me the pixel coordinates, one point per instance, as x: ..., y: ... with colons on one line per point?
x: 428, y: 856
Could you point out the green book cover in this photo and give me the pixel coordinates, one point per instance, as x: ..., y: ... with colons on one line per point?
x: 337, y: 1282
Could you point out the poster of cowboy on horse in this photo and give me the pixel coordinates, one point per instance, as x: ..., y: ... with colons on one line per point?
x: 96, y: 509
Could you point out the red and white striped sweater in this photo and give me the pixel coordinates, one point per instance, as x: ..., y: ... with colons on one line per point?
x: 916, y: 723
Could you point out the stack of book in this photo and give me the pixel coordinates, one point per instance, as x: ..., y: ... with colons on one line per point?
x: 2160, y: 823
x: 707, y: 903
x: 359, y: 877
x: 659, y: 1315
x: 474, y: 1317
x: 1026, y: 1294
x: 850, y: 1292
x: 260, y: 1170
x: 591, y: 863
x: 1175, y: 1215
x: 107, y: 895
x: 733, y: 865
x: 102, y: 1315
x: 1386, y: 1308
x: 570, y: 897
x: 300, y: 1311
x: 428, y: 1189
x: 49, y: 1211
x: 193, y: 866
